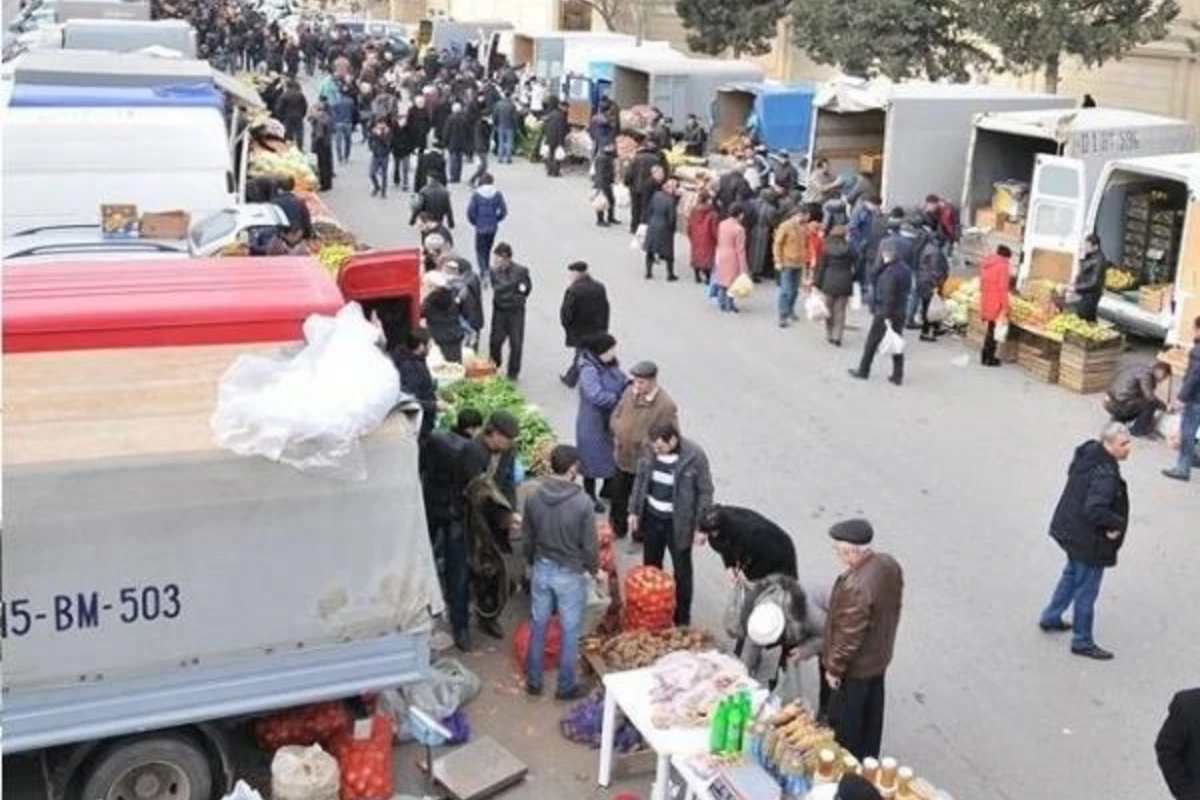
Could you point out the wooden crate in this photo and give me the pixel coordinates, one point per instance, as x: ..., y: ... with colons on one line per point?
x: 1153, y: 298
x: 1038, y: 355
x: 1087, y: 366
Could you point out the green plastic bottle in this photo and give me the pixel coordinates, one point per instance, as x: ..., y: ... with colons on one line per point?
x: 737, y: 723
x: 719, y: 728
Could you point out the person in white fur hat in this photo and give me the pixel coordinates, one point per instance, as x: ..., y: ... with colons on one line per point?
x: 778, y: 613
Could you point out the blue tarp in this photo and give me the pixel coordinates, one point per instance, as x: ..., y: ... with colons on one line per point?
x: 178, y: 95
x: 783, y: 112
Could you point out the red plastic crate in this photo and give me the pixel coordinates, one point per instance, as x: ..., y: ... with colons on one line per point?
x: 88, y: 305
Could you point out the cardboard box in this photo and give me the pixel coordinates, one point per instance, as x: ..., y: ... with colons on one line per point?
x: 986, y: 218
x: 1015, y: 229
x: 870, y: 163
x: 164, y: 225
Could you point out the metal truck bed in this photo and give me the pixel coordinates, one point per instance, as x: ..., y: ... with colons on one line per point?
x: 151, y: 579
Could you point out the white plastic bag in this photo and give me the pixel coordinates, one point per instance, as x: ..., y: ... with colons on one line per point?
x: 892, y: 344
x: 937, y: 310
x: 544, y: 150
x: 639, y: 238
x: 856, y: 301
x: 815, y: 308
x: 304, y: 773
x: 598, y: 201
x: 1001, y: 332
x: 741, y: 288
x: 450, y: 686
x: 621, y: 195
x: 310, y: 409
x: 242, y: 791
x: 559, y: 153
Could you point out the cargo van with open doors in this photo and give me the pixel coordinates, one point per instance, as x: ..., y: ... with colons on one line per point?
x: 1147, y: 214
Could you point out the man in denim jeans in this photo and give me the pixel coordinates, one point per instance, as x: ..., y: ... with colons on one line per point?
x: 1188, y: 402
x: 559, y: 526
x: 1089, y: 524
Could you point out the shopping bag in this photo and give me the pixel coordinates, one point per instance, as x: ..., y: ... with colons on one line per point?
x: 639, y: 238
x: 598, y: 201
x: 892, y: 344
x: 544, y: 150
x: 742, y: 287
x: 815, y: 308
x: 621, y: 194
x: 936, y: 312
x: 560, y: 154
x: 856, y: 301
x: 734, y: 607
x: 1001, y: 332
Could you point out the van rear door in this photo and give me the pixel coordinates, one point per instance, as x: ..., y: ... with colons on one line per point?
x: 1054, y: 221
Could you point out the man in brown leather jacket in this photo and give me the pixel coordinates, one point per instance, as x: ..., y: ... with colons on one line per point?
x: 860, y: 633
x: 643, y: 404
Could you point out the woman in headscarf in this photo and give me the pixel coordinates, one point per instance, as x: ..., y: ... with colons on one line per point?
x: 601, y: 382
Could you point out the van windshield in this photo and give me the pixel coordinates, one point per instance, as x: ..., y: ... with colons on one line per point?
x: 213, y: 229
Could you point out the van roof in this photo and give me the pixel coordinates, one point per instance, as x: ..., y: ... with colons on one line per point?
x: 1060, y: 123
x: 148, y: 24
x: 66, y: 66
x: 1180, y: 166
x: 672, y: 63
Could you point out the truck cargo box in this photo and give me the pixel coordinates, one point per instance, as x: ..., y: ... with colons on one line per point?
x: 151, y: 579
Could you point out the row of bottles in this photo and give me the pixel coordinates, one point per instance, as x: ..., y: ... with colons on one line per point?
x: 727, y: 727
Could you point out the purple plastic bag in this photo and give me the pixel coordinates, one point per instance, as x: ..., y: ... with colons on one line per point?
x: 459, y: 726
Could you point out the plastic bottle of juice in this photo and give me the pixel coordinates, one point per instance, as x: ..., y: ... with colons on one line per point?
x: 736, y: 721
x: 719, y: 728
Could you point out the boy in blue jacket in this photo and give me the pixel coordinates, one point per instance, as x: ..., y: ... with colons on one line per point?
x: 485, y: 211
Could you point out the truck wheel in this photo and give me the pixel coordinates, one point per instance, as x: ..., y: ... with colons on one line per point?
x: 161, y: 767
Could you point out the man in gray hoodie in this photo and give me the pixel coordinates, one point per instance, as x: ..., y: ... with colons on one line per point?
x: 559, y: 524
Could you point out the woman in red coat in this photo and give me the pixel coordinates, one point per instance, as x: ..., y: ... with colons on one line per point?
x: 993, y: 299
x: 702, y: 236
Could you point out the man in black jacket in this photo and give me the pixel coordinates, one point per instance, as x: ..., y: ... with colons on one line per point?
x: 415, y: 378
x: 637, y: 176
x: 1089, y: 282
x: 554, y: 134
x: 584, y: 313
x: 431, y: 165
x: 291, y: 109
x: 458, y: 137
x: 891, y: 306
x: 511, y: 286
x: 1133, y: 396
x: 750, y: 545
x: 604, y: 172
x: 1178, y: 746
x: 1187, y: 402
x: 732, y: 189
x: 433, y: 200
x: 505, y: 117
x: 1089, y: 524
x: 419, y: 123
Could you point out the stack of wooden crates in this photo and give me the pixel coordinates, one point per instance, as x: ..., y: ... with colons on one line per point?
x: 1087, y: 366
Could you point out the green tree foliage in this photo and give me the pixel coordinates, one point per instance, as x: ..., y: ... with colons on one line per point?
x: 747, y: 27
x: 1036, y: 35
x: 897, y: 39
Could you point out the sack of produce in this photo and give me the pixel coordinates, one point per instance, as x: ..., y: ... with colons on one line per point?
x: 449, y: 687
x: 553, y: 643
x: 584, y: 722
x: 304, y: 773
x: 242, y: 791
x: 649, y: 600
x: 365, y: 760
x: 318, y: 723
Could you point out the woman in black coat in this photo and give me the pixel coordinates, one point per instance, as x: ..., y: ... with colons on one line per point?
x: 441, y: 312
x: 660, y: 221
x: 835, y: 279
x: 749, y: 543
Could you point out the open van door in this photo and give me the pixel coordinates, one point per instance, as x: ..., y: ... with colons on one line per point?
x: 1054, y: 220
x: 243, y: 164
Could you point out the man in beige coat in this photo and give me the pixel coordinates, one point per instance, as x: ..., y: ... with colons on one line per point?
x: 642, y: 404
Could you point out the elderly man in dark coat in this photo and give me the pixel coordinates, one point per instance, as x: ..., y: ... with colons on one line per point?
x: 584, y: 313
x: 660, y: 220
x: 1178, y: 746
x: 1089, y: 524
x: 601, y: 382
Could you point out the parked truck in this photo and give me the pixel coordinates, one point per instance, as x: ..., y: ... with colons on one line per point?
x: 1007, y: 146
x: 675, y: 85
x: 912, y: 137
x: 158, y: 590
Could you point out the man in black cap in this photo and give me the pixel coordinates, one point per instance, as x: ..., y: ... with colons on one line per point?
x: 511, y: 286
x: 860, y: 634
x: 584, y: 313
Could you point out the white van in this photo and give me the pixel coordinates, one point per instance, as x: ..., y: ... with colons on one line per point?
x: 1147, y: 214
x: 61, y: 164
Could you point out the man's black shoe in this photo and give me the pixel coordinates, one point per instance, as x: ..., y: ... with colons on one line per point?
x: 856, y: 374
x: 575, y: 693
x: 1093, y: 651
x: 894, y: 380
x: 533, y: 690
x: 462, y: 640
x: 1055, y: 627
x: 491, y: 627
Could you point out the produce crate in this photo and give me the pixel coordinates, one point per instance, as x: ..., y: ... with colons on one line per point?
x: 1038, y: 355
x: 1087, y: 366
x: 1153, y: 298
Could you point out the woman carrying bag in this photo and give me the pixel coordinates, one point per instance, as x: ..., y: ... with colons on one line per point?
x: 601, y: 382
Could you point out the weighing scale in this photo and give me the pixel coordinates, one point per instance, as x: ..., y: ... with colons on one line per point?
x: 478, y: 770
x: 746, y: 781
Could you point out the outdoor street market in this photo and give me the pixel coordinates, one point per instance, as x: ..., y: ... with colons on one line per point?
x: 335, y: 445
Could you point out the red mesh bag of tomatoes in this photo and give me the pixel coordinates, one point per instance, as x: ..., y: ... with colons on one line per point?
x: 318, y: 723
x: 649, y: 598
x: 553, y: 642
x: 366, y: 763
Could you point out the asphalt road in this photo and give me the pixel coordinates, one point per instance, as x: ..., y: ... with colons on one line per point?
x: 958, y: 470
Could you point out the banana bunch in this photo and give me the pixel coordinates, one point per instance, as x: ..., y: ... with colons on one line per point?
x: 332, y: 257
x: 1073, y: 323
x: 1118, y: 280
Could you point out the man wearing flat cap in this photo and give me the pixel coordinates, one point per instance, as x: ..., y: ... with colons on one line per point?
x: 860, y: 633
x: 643, y: 404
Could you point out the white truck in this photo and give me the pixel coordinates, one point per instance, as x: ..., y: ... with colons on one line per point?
x: 157, y: 589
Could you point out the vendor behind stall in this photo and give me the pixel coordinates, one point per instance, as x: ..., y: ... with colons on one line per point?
x: 291, y: 240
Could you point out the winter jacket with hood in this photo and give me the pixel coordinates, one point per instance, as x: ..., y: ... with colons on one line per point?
x: 993, y: 287
x: 559, y: 524
x: 584, y: 310
x: 835, y: 269
x: 486, y: 209
x: 1094, y: 503
x: 702, y: 235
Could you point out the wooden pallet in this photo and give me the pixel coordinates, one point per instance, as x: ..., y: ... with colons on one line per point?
x: 1086, y: 366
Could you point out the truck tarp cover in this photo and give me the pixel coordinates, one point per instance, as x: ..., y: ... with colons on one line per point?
x: 784, y: 112
x: 51, y: 96
x: 851, y: 95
